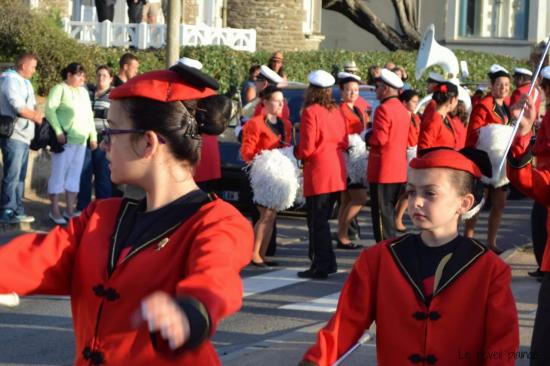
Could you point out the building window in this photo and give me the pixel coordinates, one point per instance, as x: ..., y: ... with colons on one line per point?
x: 494, y: 18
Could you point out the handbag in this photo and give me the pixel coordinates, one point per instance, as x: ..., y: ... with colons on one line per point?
x: 44, y: 135
x: 7, y: 124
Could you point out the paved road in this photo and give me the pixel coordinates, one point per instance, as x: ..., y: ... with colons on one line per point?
x: 281, y: 313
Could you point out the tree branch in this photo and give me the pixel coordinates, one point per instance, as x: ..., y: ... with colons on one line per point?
x: 363, y: 16
x: 405, y: 10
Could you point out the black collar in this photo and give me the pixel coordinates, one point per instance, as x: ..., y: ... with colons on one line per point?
x: 182, y: 209
x: 387, y: 98
x: 467, y: 252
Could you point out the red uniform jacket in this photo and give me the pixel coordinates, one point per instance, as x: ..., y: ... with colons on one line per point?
x: 460, y: 132
x: 437, y: 131
x: 199, y: 258
x: 470, y: 321
x: 258, y: 136
x: 429, y: 110
x: 388, y: 143
x: 363, y: 105
x: 476, y: 99
x: 534, y: 183
x: 483, y: 114
x: 355, y: 123
x: 209, y: 166
x: 260, y: 110
x: 542, y: 144
x: 323, y: 140
x: 414, y: 130
x: 524, y: 89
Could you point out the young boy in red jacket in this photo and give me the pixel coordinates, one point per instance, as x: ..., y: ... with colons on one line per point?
x: 437, y: 298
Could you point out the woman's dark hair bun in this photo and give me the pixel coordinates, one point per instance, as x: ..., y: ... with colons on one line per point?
x: 213, y: 114
x: 444, y: 92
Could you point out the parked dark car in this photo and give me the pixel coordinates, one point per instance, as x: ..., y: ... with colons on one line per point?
x: 234, y: 186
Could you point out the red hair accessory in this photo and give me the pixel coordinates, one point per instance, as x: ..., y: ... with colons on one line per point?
x: 442, y: 88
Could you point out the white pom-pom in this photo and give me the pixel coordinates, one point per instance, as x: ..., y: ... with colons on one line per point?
x: 275, y: 178
x: 493, y: 139
x: 411, y: 153
x: 356, y: 159
x: 10, y: 300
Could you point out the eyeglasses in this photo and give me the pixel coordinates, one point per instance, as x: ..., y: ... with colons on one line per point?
x: 106, y: 134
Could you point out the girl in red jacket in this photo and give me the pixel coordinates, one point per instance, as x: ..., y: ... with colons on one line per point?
x: 438, y: 130
x: 265, y: 132
x: 149, y: 279
x: 436, y: 297
x: 355, y: 196
x: 323, y: 140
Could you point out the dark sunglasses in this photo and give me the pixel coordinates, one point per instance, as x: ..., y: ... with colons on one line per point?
x: 106, y: 134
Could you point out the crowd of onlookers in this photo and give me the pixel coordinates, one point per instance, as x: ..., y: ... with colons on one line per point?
x: 139, y: 11
x: 76, y: 112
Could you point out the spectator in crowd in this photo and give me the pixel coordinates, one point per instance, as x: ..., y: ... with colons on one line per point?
x: 69, y: 112
x: 105, y: 10
x: 354, y: 197
x: 96, y: 166
x: 128, y: 68
x: 276, y: 64
x: 402, y: 73
x: 151, y: 11
x: 387, y: 169
x: 351, y: 67
x: 249, y: 92
x: 135, y: 10
x: 390, y: 65
x: 17, y: 99
x: 491, y: 109
x: 323, y: 140
x: 267, y: 131
x: 374, y: 73
x: 410, y: 99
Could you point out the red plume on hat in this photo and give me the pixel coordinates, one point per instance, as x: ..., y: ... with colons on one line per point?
x: 180, y: 82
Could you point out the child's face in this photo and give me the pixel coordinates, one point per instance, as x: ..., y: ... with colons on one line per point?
x: 433, y: 201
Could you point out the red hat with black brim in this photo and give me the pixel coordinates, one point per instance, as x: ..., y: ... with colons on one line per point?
x: 180, y: 82
x: 473, y: 161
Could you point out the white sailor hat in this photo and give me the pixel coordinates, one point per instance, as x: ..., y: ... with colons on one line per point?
x: 345, y: 77
x: 196, y: 64
x: 390, y: 78
x: 436, y: 77
x: 496, y: 71
x: 321, y: 78
x: 545, y: 72
x: 522, y: 71
x: 270, y: 75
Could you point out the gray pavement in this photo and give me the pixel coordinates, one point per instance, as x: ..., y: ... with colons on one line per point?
x: 280, y: 314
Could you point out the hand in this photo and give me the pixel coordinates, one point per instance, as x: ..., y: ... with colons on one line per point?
x: 162, y: 314
x: 38, y: 117
x: 93, y: 145
x: 526, y: 123
x: 61, y: 139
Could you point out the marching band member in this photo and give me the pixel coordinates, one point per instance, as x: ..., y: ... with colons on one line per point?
x: 459, y: 121
x: 323, y: 140
x: 409, y: 98
x: 352, y: 199
x: 522, y: 82
x: 387, y: 169
x: 265, y: 132
x: 269, y: 77
x: 437, y: 129
x: 491, y: 109
x: 434, y: 79
x: 535, y: 183
x: 149, y: 280
x: 436, y: 297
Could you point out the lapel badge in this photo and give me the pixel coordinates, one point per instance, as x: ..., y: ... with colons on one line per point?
x: 161, y: 244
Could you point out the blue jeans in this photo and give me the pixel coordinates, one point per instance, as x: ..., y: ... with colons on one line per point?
x: 96, y: 168
x: 15, y: 156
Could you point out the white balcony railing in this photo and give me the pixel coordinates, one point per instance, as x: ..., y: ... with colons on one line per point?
x: 143, y: 35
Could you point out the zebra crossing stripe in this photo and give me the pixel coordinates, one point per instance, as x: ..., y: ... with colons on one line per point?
x: 270, y: 281
x: 325, y: 304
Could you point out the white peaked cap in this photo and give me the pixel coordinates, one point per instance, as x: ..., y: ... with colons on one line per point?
x: 391, y: 78
x: 497, y: 68
x: 196, y: 64
x: 522, y: 71
x: 270, y: 74
x: 347, y: 75
x: 545, y: 72
x: 321, y: 78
